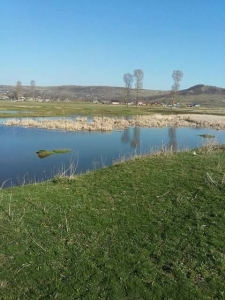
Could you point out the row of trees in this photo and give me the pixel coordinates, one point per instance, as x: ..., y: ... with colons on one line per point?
x: 138, y: 76
x: 128, y: 78
x: 19, y: 89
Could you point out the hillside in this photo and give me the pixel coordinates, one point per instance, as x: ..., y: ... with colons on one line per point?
x: 203, y: 94
x: 74, y: 92
x: 206, y: 95
x: 203, y: 89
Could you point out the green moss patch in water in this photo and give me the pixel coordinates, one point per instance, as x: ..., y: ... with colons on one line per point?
x: 46, y: 153
x: 207, y: 136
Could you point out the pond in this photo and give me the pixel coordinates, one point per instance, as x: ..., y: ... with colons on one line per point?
x: 14, y: 111
x: 19, y: 163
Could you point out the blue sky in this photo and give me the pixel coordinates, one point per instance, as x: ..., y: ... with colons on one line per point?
x: 95, y: 42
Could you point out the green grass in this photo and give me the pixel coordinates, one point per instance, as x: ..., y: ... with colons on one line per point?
x: 46, y: 153
x: 150, y: 228
x: 38, y: 109
x: 67, y: 109
x: 207, y: 136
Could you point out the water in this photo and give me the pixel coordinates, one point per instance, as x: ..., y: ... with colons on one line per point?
x: 13, y: 111
x: 20, y: 164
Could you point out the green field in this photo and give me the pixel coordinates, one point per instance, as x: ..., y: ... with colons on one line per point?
x: 149, y: 228
x: 39, y: 109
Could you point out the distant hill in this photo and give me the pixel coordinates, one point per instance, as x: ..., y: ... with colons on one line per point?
x: 203, y: 89
x: 74, y: 92
x: 204, y: 94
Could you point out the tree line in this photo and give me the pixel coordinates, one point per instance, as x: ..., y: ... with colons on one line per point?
x: 138, y: 76
x: 19, y: 89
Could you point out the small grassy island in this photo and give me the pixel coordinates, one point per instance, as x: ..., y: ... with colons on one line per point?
x: 207, y: 136
x: 46, y: 153
x: 149, y: 228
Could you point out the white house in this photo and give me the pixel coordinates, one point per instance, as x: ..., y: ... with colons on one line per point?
x: 115, y: 102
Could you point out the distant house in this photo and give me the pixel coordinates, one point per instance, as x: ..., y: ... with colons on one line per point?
x: 177, y: 105
x: 155, y: 103
x: 115, y: 102
x: 4, y: 97
x: 196, y: 104
x: 105, y: 101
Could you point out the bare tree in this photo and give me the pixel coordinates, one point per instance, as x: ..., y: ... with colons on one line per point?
x: 19, y: 89
x: 177, y: 75
x: 128, y: 79
x: 33, y: 88
x: 138, y: 75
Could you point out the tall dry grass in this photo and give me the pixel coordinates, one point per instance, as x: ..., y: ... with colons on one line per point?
x: 109, y: 124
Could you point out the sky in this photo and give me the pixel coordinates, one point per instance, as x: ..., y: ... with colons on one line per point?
x: 95, y: 42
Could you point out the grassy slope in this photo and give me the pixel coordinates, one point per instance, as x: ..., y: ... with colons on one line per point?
x: 152, y: 228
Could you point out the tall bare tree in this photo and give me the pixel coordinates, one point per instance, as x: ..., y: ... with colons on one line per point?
x: 177, y: 75
x: 138, y: 75
x: 33, y: 88
x: 128, y: 79
x: 19, y: 89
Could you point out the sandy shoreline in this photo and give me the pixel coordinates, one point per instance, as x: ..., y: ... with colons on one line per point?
x: 109, y: 124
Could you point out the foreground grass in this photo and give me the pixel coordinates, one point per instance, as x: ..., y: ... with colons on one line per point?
x: 39, y: 109
x: 151, y: 228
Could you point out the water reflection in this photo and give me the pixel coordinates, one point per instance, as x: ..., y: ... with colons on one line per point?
x: 125, y: 137
x: 132, y: 138
x: 135, y: 143
x: 94, y: 149
x: 172, y: 145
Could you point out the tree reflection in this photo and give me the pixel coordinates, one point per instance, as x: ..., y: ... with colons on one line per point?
x: 134, y: 140
x: 172, y: 138
x: 136, y: 137
x: 125, y: 138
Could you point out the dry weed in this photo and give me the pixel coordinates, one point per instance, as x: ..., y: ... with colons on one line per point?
x: 109, y: 124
